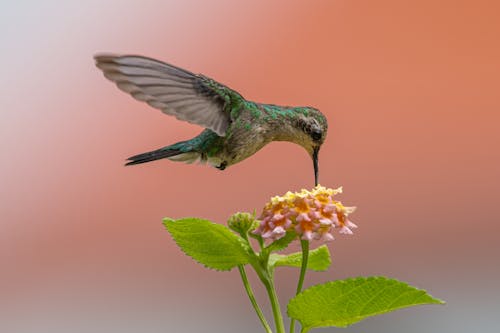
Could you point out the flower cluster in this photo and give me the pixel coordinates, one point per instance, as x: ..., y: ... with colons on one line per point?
x: 311, y: 214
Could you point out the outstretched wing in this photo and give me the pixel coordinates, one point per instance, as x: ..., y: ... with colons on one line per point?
x: 175, y: 91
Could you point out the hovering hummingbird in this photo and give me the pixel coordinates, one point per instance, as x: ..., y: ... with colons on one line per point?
x: 235, y: 128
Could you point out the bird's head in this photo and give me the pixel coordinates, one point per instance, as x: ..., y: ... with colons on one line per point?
x: 311, y: 127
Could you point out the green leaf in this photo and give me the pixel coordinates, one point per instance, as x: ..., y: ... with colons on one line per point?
x: 345, y: 302
x: 282, y: 243
x: 212, y: 245
x: 319, y: 259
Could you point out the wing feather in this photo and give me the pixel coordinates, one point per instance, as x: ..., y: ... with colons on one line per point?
x: 175, y: 91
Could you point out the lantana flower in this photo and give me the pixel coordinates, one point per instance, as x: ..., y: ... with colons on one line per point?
x: 311, y: 214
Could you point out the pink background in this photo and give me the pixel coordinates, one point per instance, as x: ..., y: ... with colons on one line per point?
x: 411, y: 92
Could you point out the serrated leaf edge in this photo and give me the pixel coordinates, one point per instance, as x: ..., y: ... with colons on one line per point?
x: 241, y: 241
x: 328, y: 323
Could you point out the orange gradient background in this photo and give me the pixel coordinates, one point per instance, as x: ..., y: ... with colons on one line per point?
x: 411, y: 92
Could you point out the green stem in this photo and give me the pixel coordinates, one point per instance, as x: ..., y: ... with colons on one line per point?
x: 278, y: 319
x: 303, y: 269
x: 251, y: 296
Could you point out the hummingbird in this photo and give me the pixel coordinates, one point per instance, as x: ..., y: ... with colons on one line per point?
x: 235, y: 128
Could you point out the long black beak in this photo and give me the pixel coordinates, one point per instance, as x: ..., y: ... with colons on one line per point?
x: 315, y: 162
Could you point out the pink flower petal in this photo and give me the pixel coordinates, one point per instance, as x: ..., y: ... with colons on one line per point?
x: 303, y: 217
x: 329, y: 208
x: 350, y: 224
x: 314, y: 214
x: 307, y: 236
x: 327, y: 237
x: 325, y: 221
x: 334, y: 218
x: 277, y: 217
x: 268, y: 234
x: 279, y: 231
x: 345, y: 230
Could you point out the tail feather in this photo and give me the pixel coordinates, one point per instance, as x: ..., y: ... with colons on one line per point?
x: 153, y: 156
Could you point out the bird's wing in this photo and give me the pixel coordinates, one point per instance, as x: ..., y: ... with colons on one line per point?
x: 175, y: 91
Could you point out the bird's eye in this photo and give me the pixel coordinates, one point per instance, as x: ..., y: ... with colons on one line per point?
x: 316, y: 135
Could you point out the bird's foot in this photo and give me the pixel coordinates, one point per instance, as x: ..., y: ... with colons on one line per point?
x: 222, y: 166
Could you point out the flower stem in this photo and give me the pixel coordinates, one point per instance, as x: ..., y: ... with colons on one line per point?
x: 303, y: 269
x: 278, y: 319
x: 251, y: 296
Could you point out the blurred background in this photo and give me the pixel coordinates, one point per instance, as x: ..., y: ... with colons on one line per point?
x: 411, y: 92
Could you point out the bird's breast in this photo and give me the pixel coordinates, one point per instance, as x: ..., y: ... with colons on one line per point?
x: 243, y: 141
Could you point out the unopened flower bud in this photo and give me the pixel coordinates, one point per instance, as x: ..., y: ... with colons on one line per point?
x: 242, y: 223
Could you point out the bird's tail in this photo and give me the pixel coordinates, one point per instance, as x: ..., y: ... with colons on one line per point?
x: 174, y: 154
